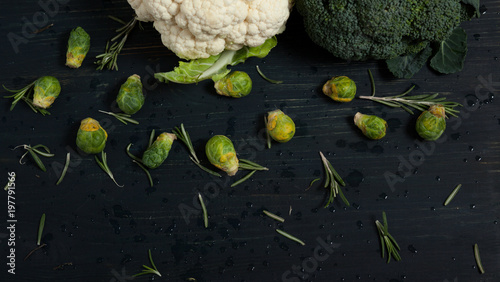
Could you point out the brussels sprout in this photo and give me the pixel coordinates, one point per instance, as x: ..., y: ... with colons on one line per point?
x: 340, y: 89
x: 157, y: 153
x: 220, y: 152
x: 91, y: 137
x: 372, y: 127
x: 431, y: 123
x: 45, y: 91
x: 78, y: 46
x: 280, y: 126
x: 236, y: 84
x: 130, y: 98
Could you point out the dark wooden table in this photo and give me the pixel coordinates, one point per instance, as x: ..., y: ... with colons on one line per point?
x: 96, y: 231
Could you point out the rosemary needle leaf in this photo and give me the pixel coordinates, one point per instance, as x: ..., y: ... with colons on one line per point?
x: 204, y: 209
x: 37, y: 160
x: 372, y: 82
x: 478, y: 259
x: 151, y: 138
x: 312, y: 182
x: 293, y: 238
x: 40, y: 229
x: 139, y: 163
x: 244, y: 178
x: 266, y: 78
x: 273, y: 216
x: 65, y: 169
x: 104, y: 166
x: 452, y: 194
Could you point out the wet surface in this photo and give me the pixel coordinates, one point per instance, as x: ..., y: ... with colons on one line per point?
x: 105, y: 231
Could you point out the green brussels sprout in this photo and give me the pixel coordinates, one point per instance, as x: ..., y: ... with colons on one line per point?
x: 220, y: 152
x: 157, y: 153
x: 130, y: 98
x: 280, y: 126
x: 237, y: 84
x: 340, y: 89
x: 372, y: 127
x: 91, y: 137
x: 45, y: 91
x: 78, y: 46
x: 431, y: 123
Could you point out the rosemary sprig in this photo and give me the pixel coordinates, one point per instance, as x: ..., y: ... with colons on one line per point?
x: 110, y: 56
x: 25, y: 94
x: 122, y: 117
x: 65, y: 169
x: 249, y: 165
x: 204, y: 209
x: 183, y: 135
x: 452, y: 195
x: 34, y: 151
x: 293, y: 238
x: 418, y: 102
x: 273, y: 216
x: 140, y: 164
x: 478, y: 259
x: 266, y: 78
x: 387, y: 241
x: 103, y: 164
x: 333, y: 181
x: 147, y: 269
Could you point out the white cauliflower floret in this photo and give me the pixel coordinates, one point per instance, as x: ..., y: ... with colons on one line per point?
x: 195, y: 29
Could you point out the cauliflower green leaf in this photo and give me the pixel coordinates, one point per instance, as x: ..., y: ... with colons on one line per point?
x: 214, y: 67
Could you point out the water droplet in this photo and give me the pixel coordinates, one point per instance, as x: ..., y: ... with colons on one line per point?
x: 471, y: 148
x: 478, y: 158
x: 482, y: 9
x: 438, y: 178
x: 455, y: 136
x: 477, y: 36
x: 383, y: 196
x: 412, y: 249
x: 359, y: 223
x: 472, y: 206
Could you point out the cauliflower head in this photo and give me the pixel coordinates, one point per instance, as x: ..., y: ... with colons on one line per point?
x: 194, y: 29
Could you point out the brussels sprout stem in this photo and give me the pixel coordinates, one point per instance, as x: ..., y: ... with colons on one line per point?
x: 140, y: 164
x: 122, y: 117
x: 34, y: 152
x: 183, y: 135
x: 387, y: 242
x: 104, y: 166
x: 147, y: 269
x: 332, y: 181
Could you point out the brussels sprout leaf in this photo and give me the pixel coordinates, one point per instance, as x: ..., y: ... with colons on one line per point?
x: 407, y: 66
x: 214, y: 67
x: 451, y: 54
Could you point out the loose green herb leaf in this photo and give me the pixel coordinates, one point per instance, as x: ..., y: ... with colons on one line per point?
x: 40, y: 229
x: 452, y: 194
x: 293, y: 238
x: 104, y: 166
x: 183, y: 135
x: 65, y: 169
x: 268, y: 136
x: 204, y: 209
x: 249, y: 165
x: 214, y: 67
x: 244, y: 178
x: 266, y: 78
x: 478, y: 259
x: 372, y: 82
x: 124, y: 118
x: 332, y: 181
x: 147, y: 269
x: 273, y: 216
x: 140, y: 164
x: 151, y: 138
x: 110, y: 56
x: 312, y: 182
x: 387, y: 242
x: 418, y: 102
x: 408, y: 65
x: 450, y: 57
x: 34, y: 152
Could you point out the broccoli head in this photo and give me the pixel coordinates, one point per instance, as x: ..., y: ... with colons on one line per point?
x: 381, y: 29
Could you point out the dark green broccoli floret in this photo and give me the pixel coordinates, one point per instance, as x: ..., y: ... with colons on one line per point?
x: 380, y: 29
